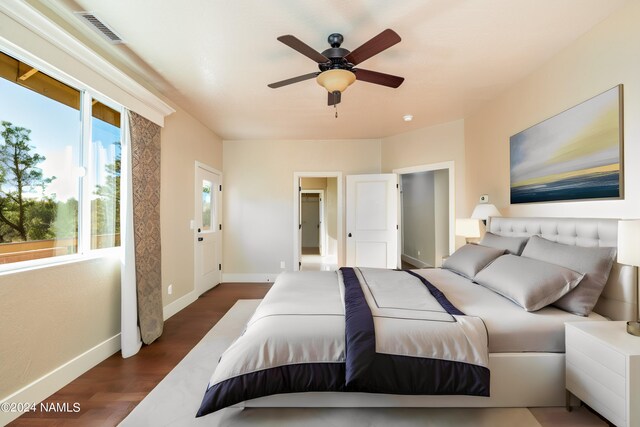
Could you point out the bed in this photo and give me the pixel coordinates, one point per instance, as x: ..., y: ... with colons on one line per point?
x: 527, y: 347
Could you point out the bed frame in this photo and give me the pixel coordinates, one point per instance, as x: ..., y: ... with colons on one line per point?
x: 517, y: 379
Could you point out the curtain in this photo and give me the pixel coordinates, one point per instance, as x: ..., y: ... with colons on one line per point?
x: 145, y: 180
x: 143, y: 237
x: 130, y: 332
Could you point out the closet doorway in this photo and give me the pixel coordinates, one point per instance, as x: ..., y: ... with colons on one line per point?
x: 317, y: 221
x: 426, y: 208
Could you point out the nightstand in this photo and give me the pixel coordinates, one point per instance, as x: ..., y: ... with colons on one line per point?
x: 603, y: 369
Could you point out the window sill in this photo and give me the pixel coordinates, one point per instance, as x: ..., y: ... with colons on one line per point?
x: 36, y: 264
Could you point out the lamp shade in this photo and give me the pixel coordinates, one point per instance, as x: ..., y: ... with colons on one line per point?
x: 336, y: 80
x: 468, y: 227
x: 629, y: 242
x: 484, y: 210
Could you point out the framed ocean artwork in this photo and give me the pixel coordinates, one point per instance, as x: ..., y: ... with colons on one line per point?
x: 575, y: 155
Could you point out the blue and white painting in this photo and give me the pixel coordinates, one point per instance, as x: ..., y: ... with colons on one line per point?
x: 572, y: 156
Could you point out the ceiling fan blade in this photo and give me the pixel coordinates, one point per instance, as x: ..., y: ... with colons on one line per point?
x: 297, y: 44
x: 382, y: 41
x: 334, y: 98
x: 378, y: 78
x: 293, y: 80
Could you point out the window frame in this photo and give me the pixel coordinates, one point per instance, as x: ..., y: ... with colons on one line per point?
x: 87, y: 94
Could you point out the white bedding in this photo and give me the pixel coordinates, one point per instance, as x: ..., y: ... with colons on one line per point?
x: 510, y: 327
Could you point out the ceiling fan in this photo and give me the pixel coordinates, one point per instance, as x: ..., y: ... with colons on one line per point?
x: 337, y: 64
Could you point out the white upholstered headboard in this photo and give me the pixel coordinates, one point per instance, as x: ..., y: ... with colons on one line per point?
x: 619, y: 300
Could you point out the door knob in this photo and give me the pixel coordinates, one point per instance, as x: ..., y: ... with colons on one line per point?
x: 349, y: 234
x: 200, y: 239
x: 199, y: 230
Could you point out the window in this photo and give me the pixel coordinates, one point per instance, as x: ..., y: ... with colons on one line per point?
x: 206, y: 205
x: 105, y: 149
x: 59, y: 167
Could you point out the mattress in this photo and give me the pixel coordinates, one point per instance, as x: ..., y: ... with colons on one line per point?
x: 510, y: 328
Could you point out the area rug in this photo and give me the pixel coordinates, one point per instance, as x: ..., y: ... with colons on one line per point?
x: 176, y: 399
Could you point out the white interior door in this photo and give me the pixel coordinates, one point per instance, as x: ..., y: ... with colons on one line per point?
x: 208, y: 226
x: 372, y: 220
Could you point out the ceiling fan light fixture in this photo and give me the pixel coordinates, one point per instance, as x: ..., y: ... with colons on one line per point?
x: 336, y: 80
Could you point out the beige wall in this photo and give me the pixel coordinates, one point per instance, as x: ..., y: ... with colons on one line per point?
x: 313, y: 183
x: 50, y: 315
x: 184, y: 141
x: 599, y: 60
x: 258, y: 197
x: 434, y: 144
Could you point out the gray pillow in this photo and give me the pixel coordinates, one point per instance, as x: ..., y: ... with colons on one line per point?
x: 595, y: 263
x: 470, y: 259
x: 513, y: 245
x: 530, y: 283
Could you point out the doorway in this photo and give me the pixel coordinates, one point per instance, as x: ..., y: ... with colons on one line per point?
x: 426, y: 208
x: 312, y: 220
x: 317, y: 220
x: 207, y: 227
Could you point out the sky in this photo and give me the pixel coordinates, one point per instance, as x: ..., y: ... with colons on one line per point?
x: 56, y: 132
x: 583, y: 137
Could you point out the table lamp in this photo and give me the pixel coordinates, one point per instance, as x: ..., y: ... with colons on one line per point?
x: 629, y: 253
x: 469, y: 228
x: 484, y: 210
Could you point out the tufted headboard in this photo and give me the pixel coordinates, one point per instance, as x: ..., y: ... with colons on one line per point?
x: 619, y: 300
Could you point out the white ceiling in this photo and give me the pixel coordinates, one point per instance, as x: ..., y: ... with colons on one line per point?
x: 215, y: 58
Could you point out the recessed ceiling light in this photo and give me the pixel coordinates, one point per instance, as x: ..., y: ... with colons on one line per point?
x: 407, y: 117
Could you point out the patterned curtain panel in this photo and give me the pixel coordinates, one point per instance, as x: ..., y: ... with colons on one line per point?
x: 145, y: 168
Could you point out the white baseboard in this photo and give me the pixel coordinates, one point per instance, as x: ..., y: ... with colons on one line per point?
x: 174, y: 307
x: 48, y: 384
x: 182, y: 302
x: 415, y: 261
x: 250, y: 277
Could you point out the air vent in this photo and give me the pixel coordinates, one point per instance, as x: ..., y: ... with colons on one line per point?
x: 100, y: 27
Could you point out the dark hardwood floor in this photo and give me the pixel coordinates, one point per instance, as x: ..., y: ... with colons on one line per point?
x: 109, y: 391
